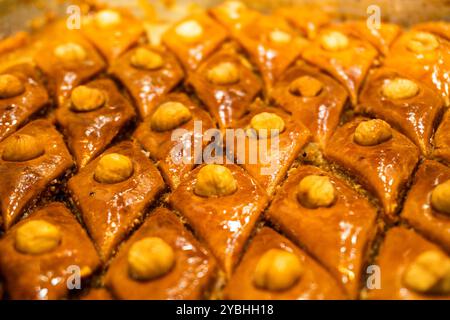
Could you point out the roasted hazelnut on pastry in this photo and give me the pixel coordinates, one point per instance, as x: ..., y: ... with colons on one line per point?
x: 306, y: 86
x: 22, y: 147
x: 429, y: 273
x: 224, y: 73
x: 334, y: 41
x: 316, y: 191
x: 277, y: 270
x: 84, y: 98
x: 113, y: 168
x: 278, y: 36
x: 265, y: 122
x: 440, y: 197
x: 146, y: 59
x: 107, y: 18
x: 150, y: 258
x: 37, y: 237
x: 189, y: 31
x: 215, y: 180
x: 400, y: 88
x: 10, y: 86
x: 422, y: 42
x: 70, y: 52
x: 170, y: 115
x: 372, y: 132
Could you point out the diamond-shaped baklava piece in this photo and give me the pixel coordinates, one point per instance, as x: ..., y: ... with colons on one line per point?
x: 176, y: 121
x: 112, y: 193
x: 344, y: 56
x: 222, y: 204
x: 68, y: 60
x: 442, y: 139
x: 427, y: 206
x: 22, y: 95
x: 272, y: 45
x: 425, y: 57
x: 226, y: 86
x: 148, y: 74
x: 312, y: 97
x: 379, y: 157
x: 42, y: 255
x: 331, y: 221
x: 163, y: 261
x: 112, y: 32
x: 410, y: 268
x: 274, y: 268
x: 273, y: 139
x: 406, y: 104
x: 194, y: 39
x: 31, y: 159
x: 92, y: 117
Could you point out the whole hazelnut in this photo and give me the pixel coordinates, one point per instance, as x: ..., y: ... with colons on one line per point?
x: 107, y: 18
x: 150, y: 258
x: 429, y: 273
x: 84, y: 98
x: 440, y: 197
x: 316, y: 191
x: 215, y: 180
x: 224, y: 73
x: 422, y: 42
x: 10, y: 86
x: 146, y: 59
x: 37, y: 237
x: 400, y: 88
x: 334, y: 41
x: 22, y: 147
x: 70, y: 52
x: 113, y: 168
x: 372, y: 132
x: 280, y: 37
x: 170, y: 115
x: 265, y: 122
x: 306, y: 86
x: 189, y: 31
x: 277, y: 270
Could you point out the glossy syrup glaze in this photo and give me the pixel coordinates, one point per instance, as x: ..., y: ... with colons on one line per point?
x: 442, y: 139
x: 111, y: 210
x: 384, y: 169
x: 338, y: 235
x: 45, y: 276
x: 191, y: 276
x: 224, y: 223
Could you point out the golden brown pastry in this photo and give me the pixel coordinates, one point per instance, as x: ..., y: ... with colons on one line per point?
x: 194, y: 39
x: 92, y: 117
x: 176, y: 111
x: 191, y: 269
x: 22, y: 95
x: 222, y: 203
x: 233, y: 15
x: 442, y: 139
x: 313, y: 98
x: 406, y: 104
x: 40, y: 254
x: 226, y: 86
x: 331, y: 221
x: 148, y: 74
x: 427, y: 206
x: 425, y: 57
x: 345, y: 57
x: 31, y: 159
x: 112, y: 193
x: 112, y: 32
x: 307, y: 19
x: 287, y: 273
x: 411, y: 268
x: 379, y: 157
x: 440, y: 28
